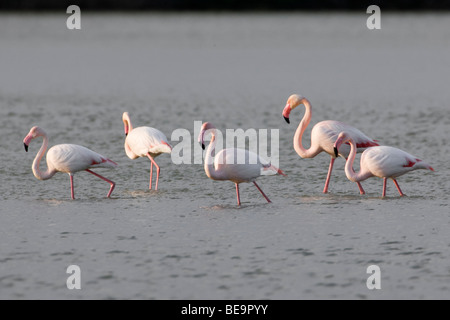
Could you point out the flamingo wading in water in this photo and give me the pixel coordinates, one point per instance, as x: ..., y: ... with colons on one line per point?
x: 323, y: 136
x: 382, y: 161
x: 68, y: 158
x: 145, y: 142
x: 226, y: 163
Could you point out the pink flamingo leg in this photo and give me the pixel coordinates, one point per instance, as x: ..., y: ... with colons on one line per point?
x: 361, y: 190
x: 103, y: 178
x: 237, y: 194
x: 330, y: 169
x: 261, y: 192
x: 157, y: 170
x: 384, y: 187
x: 151, y: 175
x: 398, y: 187
x: 72, y: 193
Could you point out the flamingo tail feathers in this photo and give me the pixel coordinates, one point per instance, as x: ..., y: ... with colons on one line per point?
x: 105, y: 163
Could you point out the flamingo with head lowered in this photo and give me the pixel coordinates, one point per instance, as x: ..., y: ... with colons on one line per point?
x: 68, y: 158
x: 145, y: 142
x: 323, y: 136
x: 382, y: 161
x: 237, y: 165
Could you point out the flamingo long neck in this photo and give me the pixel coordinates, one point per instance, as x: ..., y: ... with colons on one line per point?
x: 349, y: 171
x: 128, y: 129
x: 47, y: 174
x: 210, y: 170
x: 298, y: 146
x: 128, y: 124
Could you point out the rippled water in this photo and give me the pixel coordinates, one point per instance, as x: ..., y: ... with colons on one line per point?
x: 189, y: 240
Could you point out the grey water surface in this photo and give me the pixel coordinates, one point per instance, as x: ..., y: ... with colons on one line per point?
x: 189, y: 239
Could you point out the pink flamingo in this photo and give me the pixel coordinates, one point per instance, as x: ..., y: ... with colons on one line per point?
x: 145, y: 142
x: 382, y: 161
x: 323, y: 135
x: 226, y: 166
x: 68, y: 158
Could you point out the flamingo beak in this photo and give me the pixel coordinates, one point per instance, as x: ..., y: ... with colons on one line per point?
x: 337, y: 144
x: 26, y: 141
x: 286, y: 112
x: 201, y: 138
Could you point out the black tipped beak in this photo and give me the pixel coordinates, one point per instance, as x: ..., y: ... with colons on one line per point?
x: 336, y: 152
x: 287, y: 119
x: 26, y: 146
x: 203, y: 146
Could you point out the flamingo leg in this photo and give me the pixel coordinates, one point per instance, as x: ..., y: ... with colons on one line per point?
x: 261, y: 192
x: 157, y: 170
x: 151, y: 175
x: 237, y: 195
x: 330, y: 169
x: 384, y: 187
x: 398, y: 188
x: 107, y: 180
x: 361, y: 190
x: 72, y: 193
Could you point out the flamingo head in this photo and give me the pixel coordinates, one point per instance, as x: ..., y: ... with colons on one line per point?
x: 292, y: 102
x: 343, y: 137
x: 201, y: 137
x: 34, y: 133
x: 126, y: 123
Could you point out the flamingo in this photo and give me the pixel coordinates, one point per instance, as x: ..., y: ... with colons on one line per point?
x: 145, y: 142
x: 323, y: 135
x: 381, y: 161
x: 68, y: 158
x: 225, y: 165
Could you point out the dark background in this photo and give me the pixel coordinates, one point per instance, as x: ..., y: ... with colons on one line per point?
x: 199, y: 5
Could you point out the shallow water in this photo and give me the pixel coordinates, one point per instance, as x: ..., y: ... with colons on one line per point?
x: 189, y: 240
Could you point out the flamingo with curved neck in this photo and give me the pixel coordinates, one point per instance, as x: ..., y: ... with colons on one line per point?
x: 68, y: 158
x: 226, y: 164
x: 323, y: 135
x: 145, y: 142
x: 381, y: 161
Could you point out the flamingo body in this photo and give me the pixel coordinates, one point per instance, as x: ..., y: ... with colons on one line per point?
x: 323, y: 136
x: 227, y: 163
x: 325, y: 133
x: 390, y: 162
x: 233, y: 164
x: 67, y: 158
x: 380, y: 161
x: 145, y: 142
x: 71, y: 158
